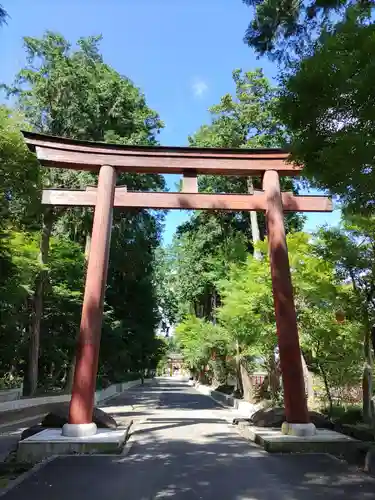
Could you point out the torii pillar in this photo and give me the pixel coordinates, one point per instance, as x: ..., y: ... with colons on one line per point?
x: 297, y: 416
x: 87, y: 355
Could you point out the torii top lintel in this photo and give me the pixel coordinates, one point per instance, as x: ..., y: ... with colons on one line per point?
x: 81, y: 155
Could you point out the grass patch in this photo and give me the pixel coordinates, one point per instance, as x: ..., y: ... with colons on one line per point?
x: 9, y: 471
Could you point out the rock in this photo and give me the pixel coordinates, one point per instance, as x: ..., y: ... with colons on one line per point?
x: 274, y: 417
x: 35, y: 429
x: 237, y: 421
x: 268, y: 417
x: 320, y: 421
x: 59, y: 417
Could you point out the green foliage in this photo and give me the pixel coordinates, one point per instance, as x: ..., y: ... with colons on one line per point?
x: 325, y: 97
x: 202, y: 254
x: 203, y: 343
x: 247, y: 310
x: 286, y: 29
x: 10, y: 381
x: 210, y: 242
x: 164, y: 284
x: 72, y: 92
x: 80, y: 95
x: 351, y: 250
x: 19, y: 172
x: 327, y: 107
x: 334, y: 350
x: 62, y: 304
x: 345, y: 414
x: 245, y: 119
x: 3, y: 15
x: 246, y: 317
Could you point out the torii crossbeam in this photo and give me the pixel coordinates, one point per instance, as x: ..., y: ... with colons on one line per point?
x: 108, y: 160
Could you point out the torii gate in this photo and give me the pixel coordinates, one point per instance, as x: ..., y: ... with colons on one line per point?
x: 108, y: 160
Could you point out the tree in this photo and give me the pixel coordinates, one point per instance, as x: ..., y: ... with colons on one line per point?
x: 19, y: 173
x: 325, y: 104
x: 351, y: 249
x: 286, y: 29
x: 62, y: 305
x: 81, y: 97
x: 19, y: 206
x: 201, y: 256
x: 328, y: 108
x: 73, y: 93
x: 245, y: 120
x: 209, y: 243
x: 332, y: 349
x: 3, y: 15
x: 247, y: 313
x: 164, y: 284
x: 203, y: 344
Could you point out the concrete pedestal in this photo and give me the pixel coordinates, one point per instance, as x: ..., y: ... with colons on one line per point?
x: 275, y: 441
x: 51, y: 442
x: 79, y: 430
x: 299, y: 430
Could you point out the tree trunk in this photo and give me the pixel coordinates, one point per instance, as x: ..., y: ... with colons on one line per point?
x: 40, y: 281
x: 87, y: 246
x: 367, y: 405
x: 274, y: 378
x: 255, y: 233
x: 307, y: 377
x: 213, y: 306
x: 247, y: 383
x: 326, y: 386
x: 239, y: 385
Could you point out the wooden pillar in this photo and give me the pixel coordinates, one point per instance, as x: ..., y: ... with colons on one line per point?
x: 84, y: 385
x: 286, y: 321
x: 189, y: 182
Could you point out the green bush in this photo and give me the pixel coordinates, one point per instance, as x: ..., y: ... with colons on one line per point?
x: 345, y: 414
x: 10, y: 382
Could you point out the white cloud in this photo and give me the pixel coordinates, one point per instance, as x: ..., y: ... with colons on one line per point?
x: 199, y: 87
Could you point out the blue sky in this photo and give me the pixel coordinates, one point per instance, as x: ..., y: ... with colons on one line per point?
x: 181, y: 53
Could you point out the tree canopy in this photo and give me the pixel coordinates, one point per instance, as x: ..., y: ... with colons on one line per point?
x: 72, y: 92
x: 328, y: 108
x: 3, y: 15
x: 325, y: 99
x: 286, y: 29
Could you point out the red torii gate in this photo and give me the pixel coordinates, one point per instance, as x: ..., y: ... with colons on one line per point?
x: 107, y: 160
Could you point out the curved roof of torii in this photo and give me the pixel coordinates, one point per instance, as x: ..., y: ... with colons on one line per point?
x: 83, y: 155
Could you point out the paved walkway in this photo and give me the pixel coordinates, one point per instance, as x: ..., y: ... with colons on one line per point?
x: 184, y: 449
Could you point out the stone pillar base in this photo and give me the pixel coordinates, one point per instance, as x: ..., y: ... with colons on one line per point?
x: 79, y: 430
x: 298, y: 430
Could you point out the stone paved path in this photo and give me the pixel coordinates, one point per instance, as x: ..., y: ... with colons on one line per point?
x: 184, y: 449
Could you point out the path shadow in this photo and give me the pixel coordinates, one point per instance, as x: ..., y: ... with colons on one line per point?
x: 222, y: 467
